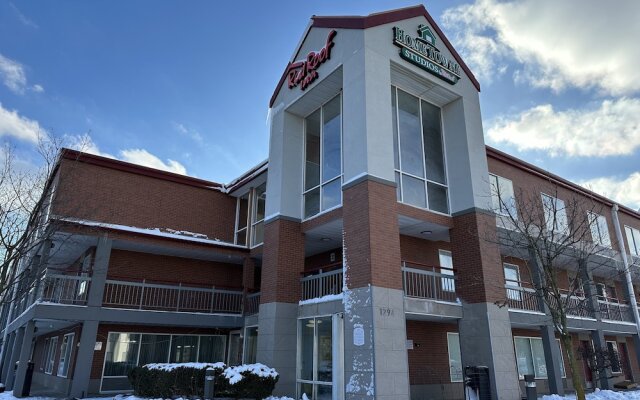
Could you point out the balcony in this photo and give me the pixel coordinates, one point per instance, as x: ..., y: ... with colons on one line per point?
x: 321, y: 283
x: 252, y: 304
x: 429, y: 282
x: 614, y: 310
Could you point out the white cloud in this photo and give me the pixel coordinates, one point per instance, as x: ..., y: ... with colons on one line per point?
x: 625, y: 191
x: 192, y: 133
x: 584, y: 44
x: 12, y: 74
x: 611, y: 128
x: 37, y: 88
x: 17, y: 126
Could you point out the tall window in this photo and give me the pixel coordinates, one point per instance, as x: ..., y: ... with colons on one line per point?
x: 616, y: 365
x: 315, y: 358
x: 512, y: 279
x: 455, y: 359
x: 446, y: 262
x: 502, y: 197
x: 419, y: 152
x: 599, y: 229
x: 250, y: 344
x: 257, y: 215
x: 555, y: 215
x: 633, y: 238
x: 65, y: 354
x: 323, y: 158
x: 242, y: 220
x: 51, y: 355
x: 530, y: 357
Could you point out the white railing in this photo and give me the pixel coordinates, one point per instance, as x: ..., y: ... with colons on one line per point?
x: 614, y: 311
x: 321, y: 284
x: 429, y: 282
x: 65, y: 289
x: 150, y: 296
x: 252, y: 305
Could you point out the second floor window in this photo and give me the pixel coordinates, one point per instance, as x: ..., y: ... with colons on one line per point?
x: 242, y: 220
x: 555, y: 215
x: 599, y: 229
x: 418, y: 152
x: 633, y: 238
x: 257, y: 215
x: 323, y: 158
x: 502, y: 197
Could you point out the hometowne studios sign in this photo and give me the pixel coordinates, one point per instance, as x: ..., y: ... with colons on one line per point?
x: 422, y: 52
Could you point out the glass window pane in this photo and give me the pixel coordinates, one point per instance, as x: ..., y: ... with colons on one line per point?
x: 154, y: 349
x: 312, y: 203
x: 121, y: 353
x: 261, y: 194
x: 65, y: 354
x: 331, y: 194
x: 433, y: 149
x: 331, y: 143
x: 184, y: 349
x: 411, y: 155
x: 305, y: 389
x: 562, y: 371
x: 306, y: 349
x: 258, y: 233
x: 495, y: 196
x: 394, y: 121
x: 241, y: 237
x: 312, y: 161
x: 413, y: 191
x: 438, y: 198
x: 523, y: 356
x: 212, y: 349
x: 251, y: 345
x: 455, y: 359
x: 446, y: 262
x: 538, y: 358
x: 325, y: 349
x: 325, y: 392
x: 243, y: 205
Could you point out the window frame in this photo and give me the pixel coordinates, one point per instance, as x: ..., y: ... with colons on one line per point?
x: 254, y: 210
x: 529, y: 339
x: 63, y: 369
x: 451, y: 378
x: 616, y: 352
x: 448, y: 284
x: 633, y: 239
x: 51, y: 355
x: 246, y: 229
x: 320, y: 186
x: 503, y: 204
x: 594, y: 220
x: 314, y: 381
x: 399, y: 173
x: 517, y: 294
x: 557, y: 229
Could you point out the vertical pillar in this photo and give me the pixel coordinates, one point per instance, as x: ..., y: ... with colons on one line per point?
x: 84, y: 360
x: 248, y: 274
x: 6, y: 355
x: 283, y: 260
x: 599, y: 343
x: 100, y: 268
x: 485, y: 328
x: 15, y: 353
x: 25, y: 353
x: 374, y: 324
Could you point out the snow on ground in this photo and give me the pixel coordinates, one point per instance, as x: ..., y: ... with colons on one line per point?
x: 599, y: 395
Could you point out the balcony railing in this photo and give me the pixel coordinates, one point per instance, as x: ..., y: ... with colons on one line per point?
x: 252, y: 304
x: 612, y: 310
x: 321, y: 283
x: 160, y: 297
x: 429, y: 282
x: 521, y: 296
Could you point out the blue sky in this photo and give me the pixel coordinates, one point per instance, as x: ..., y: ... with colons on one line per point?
x: 185, y: 86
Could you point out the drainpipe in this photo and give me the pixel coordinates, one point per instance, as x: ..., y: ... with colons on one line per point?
x: 625, y: 262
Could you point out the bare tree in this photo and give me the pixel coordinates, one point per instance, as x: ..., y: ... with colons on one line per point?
x: 554, y: 237
x: 600, y: 360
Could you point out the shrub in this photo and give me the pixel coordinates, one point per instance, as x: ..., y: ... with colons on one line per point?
x: 255, y: 381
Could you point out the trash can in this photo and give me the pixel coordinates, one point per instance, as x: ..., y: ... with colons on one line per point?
x: 477, y: 382
x: 26, y: 388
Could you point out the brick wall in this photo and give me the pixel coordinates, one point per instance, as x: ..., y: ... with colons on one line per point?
x: 106, y: 194
x: 323, y: 259
x: 421, y: 251
x: 429, y: 359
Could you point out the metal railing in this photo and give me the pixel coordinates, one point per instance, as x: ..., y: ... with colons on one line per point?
x: 521, y: 296
x: 160, y: 297
x: 65, y: 289
x: 429, y: 282
x: 615, y: 311
x: 252, y: 303
x: 321, y: 284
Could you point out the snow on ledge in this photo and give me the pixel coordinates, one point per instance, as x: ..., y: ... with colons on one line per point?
x: 323, y: 299
x: 172, y: 366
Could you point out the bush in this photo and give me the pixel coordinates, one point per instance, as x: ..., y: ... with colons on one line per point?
x: 254, y: 381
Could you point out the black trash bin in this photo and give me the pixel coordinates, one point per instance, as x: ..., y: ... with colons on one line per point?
x: 26, y: 388
x: 477, y: 379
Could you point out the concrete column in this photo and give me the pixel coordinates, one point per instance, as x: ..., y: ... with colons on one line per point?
x: 553, y: 359
x: 15, y: 353
x: 589, y: 288
x: 84, y: 360
x: 283, y: 260
x: 100, y: 268
x: 25, y: 353
x: 6, y: 355
x: 600, y: 343
x: 485, y: 328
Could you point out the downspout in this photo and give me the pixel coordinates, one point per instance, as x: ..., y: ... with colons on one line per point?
x: 625, y: 262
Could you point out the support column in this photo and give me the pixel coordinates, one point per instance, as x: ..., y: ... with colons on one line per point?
x: 374, y: 324
x: 15, y: 353
x: 6, y: 355
x: 99, y: 274
x: 485, y: 328
x: 25, y: 353
x: 283, y: 261
x: 84, y: 360
x: 600, y: 343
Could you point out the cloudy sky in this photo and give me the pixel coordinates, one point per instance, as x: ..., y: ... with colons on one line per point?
x: 186, y: 88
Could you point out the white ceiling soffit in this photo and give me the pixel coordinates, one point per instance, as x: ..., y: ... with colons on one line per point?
x: 420, y: 86
x: 320, y: 93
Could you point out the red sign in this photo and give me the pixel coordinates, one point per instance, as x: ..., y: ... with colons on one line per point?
x: 305, y: 71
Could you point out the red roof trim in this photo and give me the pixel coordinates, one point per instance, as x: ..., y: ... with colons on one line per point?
x: 532, y: 169
x: 372, y: 20
x: 137, y: 169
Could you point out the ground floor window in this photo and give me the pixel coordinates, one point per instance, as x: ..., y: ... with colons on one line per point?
x: 250, y: 344
x: 126, y: 351
x: 530, y: 357
x: 315, y: 358
x: 50, y: 352
x: 65, y: 354
x: 455, y: 359
x: 616, y: 366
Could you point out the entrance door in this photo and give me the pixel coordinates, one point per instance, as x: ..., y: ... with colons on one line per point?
x: 235, y: 349
x: 586, y: 345
x: 624, y: 361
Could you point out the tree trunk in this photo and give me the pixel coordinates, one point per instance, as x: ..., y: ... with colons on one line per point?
x: 575, y: 375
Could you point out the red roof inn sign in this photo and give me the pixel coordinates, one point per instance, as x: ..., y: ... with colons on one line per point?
x: 422, y: 51
x: 304, y: 72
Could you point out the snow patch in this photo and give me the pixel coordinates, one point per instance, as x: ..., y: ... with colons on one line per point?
x: 325, y: 298
x: 234, y: 374
x: 172, y: 366
x: 599, y: 395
